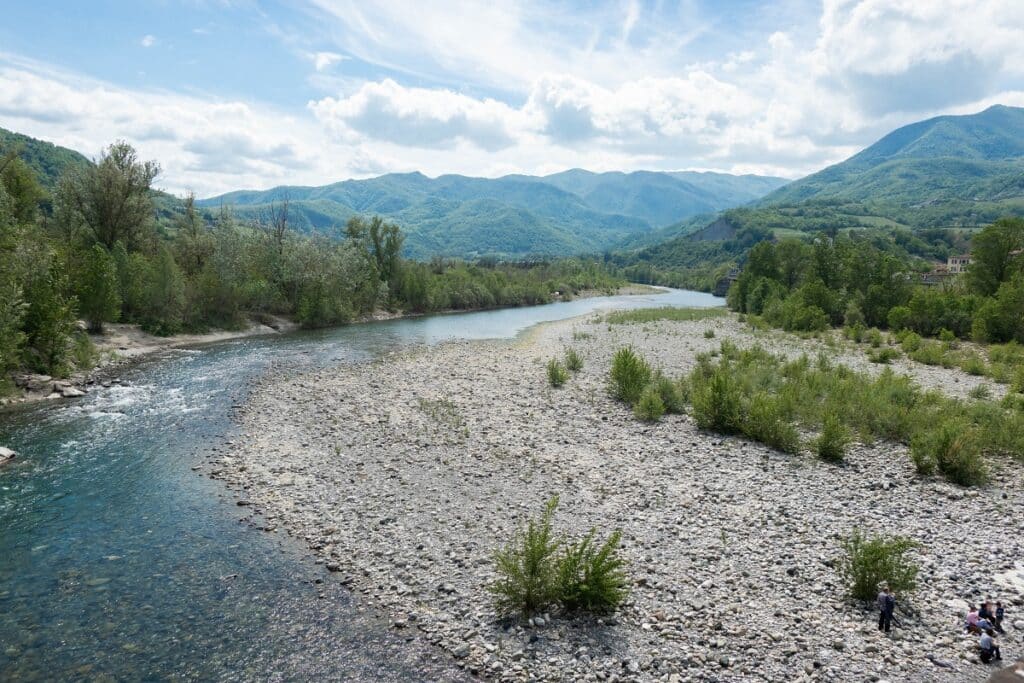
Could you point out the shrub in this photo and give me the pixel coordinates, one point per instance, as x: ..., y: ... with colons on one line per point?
x: 592, y: 577
x: 84, y: 352
x: 951, y: 448
x: 973, y: 364
x: 671, y: 393
x: 855, y: 332
x: 716, y: 401
x: 899, y: 318
x: 947, y: 336
x: 629, y: 375
x: 883, y: 356
x: 527, y: 567
x: 649, y: 407
x: 928, y: 353
x: 1017, y: 383
x: 709, y: 334
x: 834, y: 438
x: 910, y: 342
x: 767, y: 422
x: 573, y: 360
x: 980, y: 392
x: 867, y: 562
x: 557, y: 374
x: 874, y: 337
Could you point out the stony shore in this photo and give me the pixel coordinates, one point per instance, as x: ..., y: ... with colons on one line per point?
x: 404, y: 474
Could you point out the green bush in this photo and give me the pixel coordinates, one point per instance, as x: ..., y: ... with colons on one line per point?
x: 950, y: 448
x: 767, y: 422
x: 834, y: 438
x: 592, y: 577
x: 630, y: 374
x: 928, y: 353
x: 867, y: 562
x: 716, y: 401
x: 981, y: 392
x: 910, y: 342
x: 883, y: 356
x: 672, y: 395
x: 573, y: 360
x: 709, y: 334
x: 557, y: 374
x: 649, y: 407
x: 527, y: 567
x: 874, y: 337
x: 973, y: 364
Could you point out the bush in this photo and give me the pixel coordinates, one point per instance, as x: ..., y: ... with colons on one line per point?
x: 557, y: 374
x: 630, y: 374
x: 980, y: 392
x: 716, y: 401
x: 671, y: 393
x: 709, y: 334
x: 573, y: 360
x: 973, y: 364
x: 767, y: 422
x: 883, y: 356
x: 592, y: 578
x: 650, y: 407
x: 834, y: 438
x: 910, y: 342
x: 951, y: 448
x: 874, y: 337
x: 528, y: 568
x: 928, y: 353
x: 867, y: 562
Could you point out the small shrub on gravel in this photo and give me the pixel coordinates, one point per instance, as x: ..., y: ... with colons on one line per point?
x: 592, y: 577
x: 766, y: 421
x: 981, y: 392
x: 573, y: 360
x: 929, y: 353
x: 951, y: 448
x: 672, y: 395
x: 557, y: 374
x: 834, y: 438
x: 973, y: 364
x: 650, y: 407
x: 874, y: 337
x: 867, y: 562
x: 716, y: 400
x: 527, y: 567
x: 883, y: 356
x: 709, y: 334
x: 629, y: 375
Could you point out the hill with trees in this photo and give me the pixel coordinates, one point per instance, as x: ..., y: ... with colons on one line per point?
x: 566, y: 213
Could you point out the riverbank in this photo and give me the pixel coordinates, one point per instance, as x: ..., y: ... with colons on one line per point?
x: 124, y: 343
x: 403, y: 475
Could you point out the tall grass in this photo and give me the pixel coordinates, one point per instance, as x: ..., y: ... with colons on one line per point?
x: 647, y: 315
x: 629, y: 376
x: 557, y: 374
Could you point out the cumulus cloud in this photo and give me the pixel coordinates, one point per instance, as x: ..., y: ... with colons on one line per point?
x: 147, y: 40
x: 418, y: 117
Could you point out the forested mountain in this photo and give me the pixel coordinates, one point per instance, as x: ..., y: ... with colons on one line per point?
x: 46, y: 159
x: 570, y: 212
x: 974, y: 158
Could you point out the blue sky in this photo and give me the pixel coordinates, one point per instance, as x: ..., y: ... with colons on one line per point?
x: 231, y: 94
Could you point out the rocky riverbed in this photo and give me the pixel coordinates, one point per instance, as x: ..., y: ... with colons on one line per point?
x: 403, y: 475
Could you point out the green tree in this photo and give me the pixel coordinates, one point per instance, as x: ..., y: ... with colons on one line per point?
x: 49, y: 321
x: 23, y: 190
x: 993, y: 261
x: 110, y: 200
x: 381, y: 244
x: 98, y: 296
x: 193, y: 242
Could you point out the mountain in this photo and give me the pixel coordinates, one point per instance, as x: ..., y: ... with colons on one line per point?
x: 977, y: 158
x: 45, y: 158
x: 570, y: 212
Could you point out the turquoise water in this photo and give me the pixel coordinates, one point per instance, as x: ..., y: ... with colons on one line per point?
x: 118, y: 561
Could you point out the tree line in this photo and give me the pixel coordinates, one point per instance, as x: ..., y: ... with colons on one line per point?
x: 92, y: 252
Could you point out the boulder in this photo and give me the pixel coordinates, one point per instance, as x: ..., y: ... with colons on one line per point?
x: 32, y: 382
x: 6, y: 455
x: 71, y: 392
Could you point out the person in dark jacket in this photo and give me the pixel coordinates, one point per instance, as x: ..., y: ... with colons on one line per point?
x: 886, y: 606
x: 988, y: 649
x: 1000, y: 613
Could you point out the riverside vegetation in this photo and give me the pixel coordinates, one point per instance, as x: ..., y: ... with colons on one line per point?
x: 103, y: 246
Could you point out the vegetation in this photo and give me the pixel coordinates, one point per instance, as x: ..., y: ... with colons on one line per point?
x: 98, y: 242
x: 573, y: 360
x: 649, y: 407
x: 868, y: 562
x: 557, y: 373
x: 834, y: 438
x: 539, y: 568
x: 649, y: 315
x: 630, y: 375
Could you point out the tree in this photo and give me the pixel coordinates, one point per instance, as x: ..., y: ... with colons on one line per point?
x: 49, y: 321
x: 23, y: 190
x: 381, y: 244
x: 193, y: 241
x: 992, y: 259
x: 111, y: 200
x: 99, y: 298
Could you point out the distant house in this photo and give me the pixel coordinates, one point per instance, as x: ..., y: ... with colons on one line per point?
x: 958, y: 264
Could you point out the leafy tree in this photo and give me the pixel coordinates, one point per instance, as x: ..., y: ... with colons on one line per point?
x: 992, y: 255
x: 23, y: 191
x: 110, y: 200
x: 49, y: 321
x: 98, y: 296
x: 194, y: 245
x: 381, y: 244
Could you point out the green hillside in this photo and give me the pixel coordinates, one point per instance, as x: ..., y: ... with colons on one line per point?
x: 571, y: 212
x: 46, y: 159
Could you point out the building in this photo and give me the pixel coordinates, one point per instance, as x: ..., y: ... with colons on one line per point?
x: 958, y: 264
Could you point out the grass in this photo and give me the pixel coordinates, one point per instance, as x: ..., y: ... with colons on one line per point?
x: 867, y: 562
x: 834, y: 438
x: 446, y: 414
x: 573, y: 360
x: 647, y: 315
x: 557, y: 374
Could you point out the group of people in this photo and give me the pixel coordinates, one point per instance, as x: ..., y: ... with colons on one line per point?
x: 985, y: 621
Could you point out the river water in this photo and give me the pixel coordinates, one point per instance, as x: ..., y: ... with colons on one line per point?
x: 119, y: 561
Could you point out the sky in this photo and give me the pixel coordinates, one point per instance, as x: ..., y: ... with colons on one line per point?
x: 250, y: 94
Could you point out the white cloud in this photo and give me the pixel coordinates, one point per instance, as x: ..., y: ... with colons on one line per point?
x: 325, y: 60
x: 147, y: 40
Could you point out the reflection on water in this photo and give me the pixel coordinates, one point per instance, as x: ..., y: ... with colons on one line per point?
x: 119, y: 561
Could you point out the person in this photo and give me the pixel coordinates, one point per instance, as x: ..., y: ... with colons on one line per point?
x: 985, y: 611
x: 984, y: 623
x: 886, y: 606
x: 1000, y: 613
x: 972, y: 620
x: 988, y: 648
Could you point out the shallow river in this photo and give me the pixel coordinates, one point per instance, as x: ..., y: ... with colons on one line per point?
x: 118, y: 561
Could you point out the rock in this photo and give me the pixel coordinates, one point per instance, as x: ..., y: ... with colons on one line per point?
x: 6, y: 455
x: 71, y: 392
x: 839, y: 644
x: 41, y: 383
x: 461, y: 651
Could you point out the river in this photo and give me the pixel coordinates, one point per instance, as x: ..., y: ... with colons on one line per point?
x: 121, y: 560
